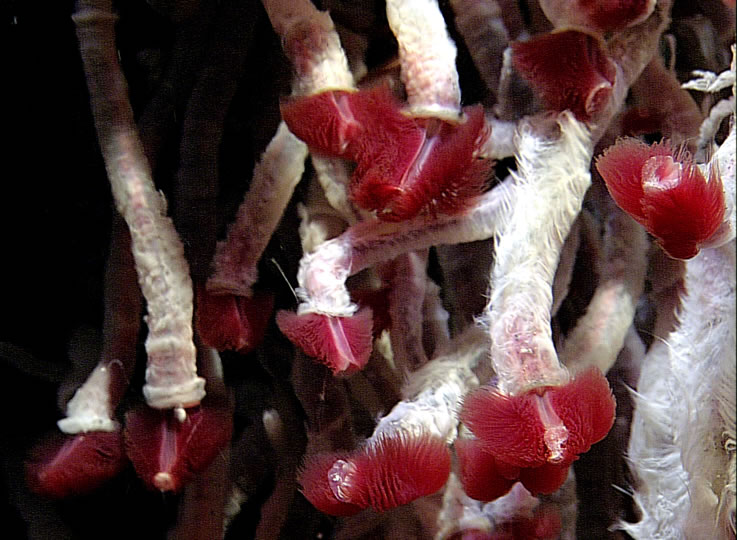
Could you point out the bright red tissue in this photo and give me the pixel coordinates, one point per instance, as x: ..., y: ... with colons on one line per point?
x: 665, y: 192
x: 165, y: 452
x: 68, y: 465
x: 511, y: 430
x: 391, y: 471
x: 569, y: 70
x: 230, y: 322
x: 341, y: 343
x: 405, y: 165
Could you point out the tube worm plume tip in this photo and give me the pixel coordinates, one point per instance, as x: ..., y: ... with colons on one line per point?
x: 569, y: 70
x: 664, y: 190
x: 314, y: 479
x: 392, y: 470
x: 68, y: 465
x: 167, y: 450
x: 341, y: 343
x: 232, y: 322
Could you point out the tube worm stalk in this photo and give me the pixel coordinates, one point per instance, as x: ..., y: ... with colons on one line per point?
x: 196, y: 187
x: 313, y: 45
x: 427, y: 57
x: 408, y: 280
x: 433, y: 392
x: 435, y: 330
x: 658, y: 92
x: 527, y: 252
x: 274, y: 178
x: 599, y: 335
x: 566, y: 264
x: 163, y: 274
x: 483, y: 30
x: 323, y: 273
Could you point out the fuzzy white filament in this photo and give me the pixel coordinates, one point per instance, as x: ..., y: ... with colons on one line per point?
x: 433, y: 394
x: 553, y: 156
x: 323, y: 272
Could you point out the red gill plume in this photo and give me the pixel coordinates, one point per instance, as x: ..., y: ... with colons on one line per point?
x: 387, y: 472
x: 436, y: 170
x: 405, y: 165
x: 341, y: 343
x: 397, y: 468
x: 313, y: 477
x: 545, y: 479
x: 324, y: 121
x: 544, y: 425
x: 664, y: 190
x: 166, y: 451
x: 67, y: 465
x: 231, y: 322
x: 569, y: 70
x: 481, y: 475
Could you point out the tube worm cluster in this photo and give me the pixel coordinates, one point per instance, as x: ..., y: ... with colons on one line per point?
x: 512, y: 213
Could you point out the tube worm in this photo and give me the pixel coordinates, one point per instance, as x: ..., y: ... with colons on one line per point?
x: 171, y: 374
x: 381, y: 474
x: 666, y: 192
x: 522, y: 352
x: 427, y: 57
x: 325, y: 305
x: 532, y: 388
x: 658, y: 96
x: 407, y: 280
x: 91, y: 451
x: 570, y: 70
x: 682, y: 445
x: 168, y: 448
x: 230, y: 287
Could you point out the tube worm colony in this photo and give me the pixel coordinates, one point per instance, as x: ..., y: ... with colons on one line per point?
x: 405, y: 388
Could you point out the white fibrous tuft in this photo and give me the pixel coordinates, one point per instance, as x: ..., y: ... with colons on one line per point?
x: 682, y: 446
